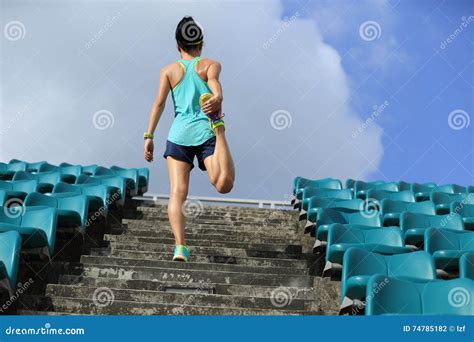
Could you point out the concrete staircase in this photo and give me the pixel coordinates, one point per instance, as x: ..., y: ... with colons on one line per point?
x: 245, y: 261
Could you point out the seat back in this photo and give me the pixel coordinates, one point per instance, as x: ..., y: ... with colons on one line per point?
x: 338, y: 233
x: 10, y: 246
x: 437, y: 239
x: 385, y: 295
x: 390, y: 206
x: 103, y: 171
x: 86, y: 179
x: 44, y: 219
x: 414, y: 265
x: 389, y: 236
x: 25, y: 185
x: 325, y: 193
x: 377, y: 185
x: 463, y: 209
x: 448, y: 297
x: 17, y: 166
x: 4, y: 185
x: 23, y: 175
x: 412, y: 220
x: 368, y: 219
x: 325, y: 183
x: 39, y: 199
x: 466, y: 265
x: 445, y: 198
x: 46, y: 167
x: 35, y: 166
x: 405, y: 196
x: 73, y: 170
x: 89, y: 169
x: 426, y: 187
x: 65, y: 187
x: 3, y: 197
x: 76, y: 203
x: 349, y: 206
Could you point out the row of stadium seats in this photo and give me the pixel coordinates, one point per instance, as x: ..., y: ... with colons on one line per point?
x: 37, y: 198
x: 403, y: 237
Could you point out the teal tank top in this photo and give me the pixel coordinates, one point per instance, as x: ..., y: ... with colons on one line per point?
x: 190, y: 126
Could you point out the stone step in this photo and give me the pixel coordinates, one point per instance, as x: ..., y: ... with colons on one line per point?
x: 193, y: 275
x: 118, y: 307
x: 212, y: 237
x: 217, y: 267
x: 195, y: 298
x: 307, y: 293
x: 206, y: 258
x: 145, y: 229
x: 238, y: 252
x: 130, y: 240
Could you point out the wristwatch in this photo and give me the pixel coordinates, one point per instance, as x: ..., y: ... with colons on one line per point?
x: 148, y: 136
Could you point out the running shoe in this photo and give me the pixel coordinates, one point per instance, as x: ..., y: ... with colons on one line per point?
x: 181, y: 253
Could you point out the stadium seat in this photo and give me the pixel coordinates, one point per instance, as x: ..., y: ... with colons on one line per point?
x: 422, y: 191
x: 349, y: 184
x: 330, y: 216
x: 326, y: 183
x: 447, y: 246
x: 387, y: 241
x: 414, y: 225
x: 443, y: 201
x: 46, y: 180
x: 88, y: 169
x: 466, y: 211
x: 316, y: 204
x: 3, y: 197
x: 143, y: 180
x: 69, y: 173
x: 361, y: 188
x: 7, y: 171
x: 405, y: 196
x: 130, y: 176
x: 391, y: 210
x: 360, y: 264
x: 304, y: 196
x: 387, y: 295
x: 10, y: 246
x: 72, y: 211
x: 37, y: 227
x: 19, y: 189
x: 451, y: 189
x: 470, y: 189
x: 466, y: 265
x: 116, y: 188
x: 97, y: 195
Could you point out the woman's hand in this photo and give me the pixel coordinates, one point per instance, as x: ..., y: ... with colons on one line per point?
x: 213, y: 105
x: 148, y: 150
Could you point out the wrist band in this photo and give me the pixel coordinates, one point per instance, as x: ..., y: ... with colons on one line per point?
x: 148, y: 136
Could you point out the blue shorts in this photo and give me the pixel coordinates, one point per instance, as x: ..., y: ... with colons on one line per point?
x: 187, y: 153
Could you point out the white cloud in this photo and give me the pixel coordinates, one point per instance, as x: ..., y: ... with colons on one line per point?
x: 298, y: 73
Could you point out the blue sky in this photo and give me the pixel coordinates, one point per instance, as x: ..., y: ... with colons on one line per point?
x: 423, y: 78
x: 360, y: 89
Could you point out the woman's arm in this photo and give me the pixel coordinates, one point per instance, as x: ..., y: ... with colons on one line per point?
x: 156, y: 110
x: 213, y: 105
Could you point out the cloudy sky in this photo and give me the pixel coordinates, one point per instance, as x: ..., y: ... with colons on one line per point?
x: 361, y: 89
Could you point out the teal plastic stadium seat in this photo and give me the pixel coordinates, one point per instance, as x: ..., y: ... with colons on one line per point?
x: 19, y: 189
x: 414, y: 225
x: 131, y: 176
x: 404, y: 297
x: 466, y: 265
x: 143, y: 180
x: 69, y: 173
x: 72, y: 211
x: 470, y: 189
x: 96, y: 194
x: 466, y: 211
x: 46, y: 180
x: 37, y: 227
x: 10, y: 247
x: 326, y: 183
x: 3, y: 197
x: 422, y: 191
x: 116, y: 188
x: 349, y: 184
x: 387, y: 241
x: 307, y: 194
x: 330, y: 216
x: 391, y: 210
x: 35, y: 166
x: 443, y: 201
x: 316, y: 204
x: 360, y: 264
x: 89, y: 169
x: 361, y: 188
x: 404, y: 196
x: 447, y: 246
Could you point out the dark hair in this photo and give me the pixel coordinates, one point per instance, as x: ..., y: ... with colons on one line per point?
x: 189, y: 34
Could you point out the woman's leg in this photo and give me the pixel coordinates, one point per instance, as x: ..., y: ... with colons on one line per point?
x: 179, y: 184
x: 220, y: 166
